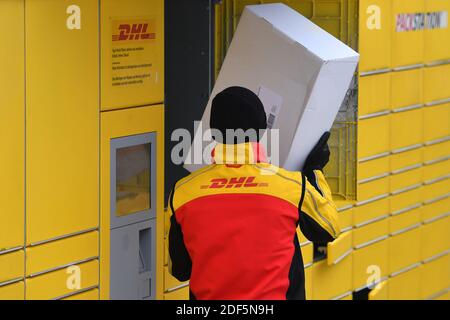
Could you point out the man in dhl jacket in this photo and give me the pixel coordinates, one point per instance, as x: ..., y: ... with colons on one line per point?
x: 233, y: 223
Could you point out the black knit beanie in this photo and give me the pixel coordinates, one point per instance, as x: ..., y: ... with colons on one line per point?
x: 237, y: 108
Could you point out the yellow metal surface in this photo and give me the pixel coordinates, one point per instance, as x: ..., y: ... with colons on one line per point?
x: 15, y: 291
x: 436, y: 170
x: 404, y: 250
x: 179, y: 294
x: 375, y: 22
x: 373, y: 127
x: 406, y: 159
x: 87, y: 295
x: 373, y: 168
x: 405, y: 199
x: 332, y: 281
x: 132, y: 70
x: 434, y: 277
x: 122, y: 123
x: 407, y: 46
x: 373, y: 255
x: 404, y: 179
x: 309, y: 286
x: 169, y: 281
x: 405, y: 286
x: 435, y: 237
x: 436, y: 121
x: 11, y: 266
x: 380, y: 292
x: 436, y: 189
x: 307, y: 253
x: 406, y: 219
x: 370, y: 232
x: 62, y: 120
x: 436, y: 40
x: 406, y: 88
x: 436, y: 151
x: 370, y: 211
x: 436, y: 80
x: 345, y: 217
x: 12, y: 124
x: 406, y: 128
x: 339, y: 248
x: 373, y: 188
x: 435, y: 208
x: 61, y: 282
x: 62, y: 252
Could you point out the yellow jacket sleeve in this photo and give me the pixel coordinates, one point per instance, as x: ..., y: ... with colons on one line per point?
x: 318, y: 213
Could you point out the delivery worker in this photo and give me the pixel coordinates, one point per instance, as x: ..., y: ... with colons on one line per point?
x: 233, y: 224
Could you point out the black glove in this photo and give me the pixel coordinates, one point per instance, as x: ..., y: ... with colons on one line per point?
x: 319, y: 155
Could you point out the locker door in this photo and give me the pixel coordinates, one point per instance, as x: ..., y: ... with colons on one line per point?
x: 12, y: 120
x: 62, y: 117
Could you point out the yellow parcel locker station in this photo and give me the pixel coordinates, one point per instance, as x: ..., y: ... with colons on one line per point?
x: 12, y: 127
x: 132, y: 147
x: 132, y: 191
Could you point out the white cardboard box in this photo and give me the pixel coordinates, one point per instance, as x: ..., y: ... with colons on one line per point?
x: 290, y: 62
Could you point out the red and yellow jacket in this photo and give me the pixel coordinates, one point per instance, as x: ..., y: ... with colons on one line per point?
x: 233, y: 226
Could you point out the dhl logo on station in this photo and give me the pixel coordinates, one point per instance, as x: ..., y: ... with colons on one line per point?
x: 134, y: 30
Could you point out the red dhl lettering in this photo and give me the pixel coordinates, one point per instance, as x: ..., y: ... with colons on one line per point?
x: 137, y: 31
x: 241, y: 182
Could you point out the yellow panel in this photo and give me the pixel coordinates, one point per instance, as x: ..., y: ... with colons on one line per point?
x: 400, y: 181
x: 437, y: 120
x: 444, y: 296
x: 407, y: 46
x: 436, y: 189
x: 369, y: 128
x: 370, y: 211
x: 58, y: 283
x: 307, y: 253
x: 345, y: 218
x: 12, y: 124
x: 435, y: 237
x: 87, y: 295
x: 374, y: 34
x: 347, y: 297
x: 435, y: 277
x: 436, y: 40
x: 309, y: 283
x: 405, y: 159
x: 405, y: 199
x: 435, y: 209
x: 404, y: 250
x: 62, y: 119
x: 436, y: 151
x: 436, y: 170
x: 406, y: 88
x: 339, y: 248
x: 132, y: 66
x: 15, y: 291
x: 373, y: 168
x: 61, y: 252
x: 180, y: 294
x: 370, y: 232
x: 332, y: 281
x: 373, y: 93
x: 405, y: 219
x: 436, y: 80
x: 366, y: 260
x: 169, y: 281
x: 122, y: 123
x: 405, y: 286
x: 301, y: 237
x: 11, y: 266
x: 380, y: 292
x: 374, y: 188
x: 406, y: 128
